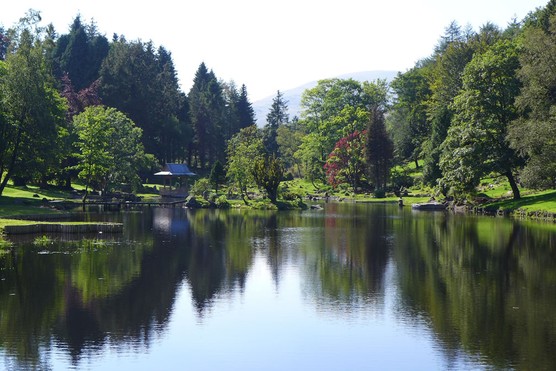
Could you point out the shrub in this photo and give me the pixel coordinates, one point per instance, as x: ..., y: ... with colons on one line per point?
x: 222, y: 202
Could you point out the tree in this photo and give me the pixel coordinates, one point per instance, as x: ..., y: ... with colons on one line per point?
x: 31, y: 110
x: 80, y: 53
x: 408, y: 117
x: 289, y: 138
x: 334, y: 109
x: 476, y: 144
x: 217, y: 175
x: 276, y: 117
x: 268, y: 173
x: 346, y: 163
x: 142, y: 83
x: 244, y: 108
x: 207, y: 108
x: 451, y: 56
x: 110, y: 148
x: 244, y: 149
x: 379, y: 149
x: 532, y: 135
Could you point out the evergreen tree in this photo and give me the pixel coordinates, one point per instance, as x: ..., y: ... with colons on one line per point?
x: 207, y: 107
x: 277, y: 116
x: 245, y: 111
x: 142, y: 83
x: 217, y: 175
x: 379, y: 150
x: 80, y: 53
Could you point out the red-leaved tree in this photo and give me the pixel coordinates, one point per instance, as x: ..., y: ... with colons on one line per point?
x: 346, y: 162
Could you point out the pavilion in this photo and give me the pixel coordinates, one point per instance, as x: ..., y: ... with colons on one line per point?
x: 175, y: 180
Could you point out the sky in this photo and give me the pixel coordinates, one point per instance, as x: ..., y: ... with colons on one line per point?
x: 279, y: 45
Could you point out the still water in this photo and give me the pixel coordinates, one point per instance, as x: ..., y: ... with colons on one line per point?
x: 350, y: 287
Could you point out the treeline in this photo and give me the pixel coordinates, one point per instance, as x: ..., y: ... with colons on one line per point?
x: 483, y: 104
x: 47, y: 80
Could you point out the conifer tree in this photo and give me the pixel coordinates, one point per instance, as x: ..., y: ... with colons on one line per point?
x: 379, y: 149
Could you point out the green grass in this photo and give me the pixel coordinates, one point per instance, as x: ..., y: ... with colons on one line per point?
x: 542, y: 201
x: 17, y: 201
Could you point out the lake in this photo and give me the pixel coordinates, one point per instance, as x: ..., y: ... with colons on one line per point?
x: 350, y: 287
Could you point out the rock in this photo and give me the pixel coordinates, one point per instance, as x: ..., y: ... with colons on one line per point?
x: 192, y: 203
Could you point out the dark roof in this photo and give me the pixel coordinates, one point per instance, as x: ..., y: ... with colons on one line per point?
x: 176, y: 170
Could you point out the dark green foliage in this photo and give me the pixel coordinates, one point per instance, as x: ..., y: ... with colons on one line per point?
x: 409, y: 124
x: 217, y: 175
x: 245, y: 112
x: 207, y: 108
x: 379, y: 150
x: 476, y: 143
x: 276, y: 117
x: 142, y: 83
x: 80, y: 53
x: 534, y: 132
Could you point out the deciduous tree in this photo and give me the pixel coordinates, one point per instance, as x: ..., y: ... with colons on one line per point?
x: 346, y: 163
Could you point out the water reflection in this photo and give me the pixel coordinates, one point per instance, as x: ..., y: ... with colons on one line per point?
x: 485, y: 287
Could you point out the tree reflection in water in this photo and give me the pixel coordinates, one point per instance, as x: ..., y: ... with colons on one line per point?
x: 485, y: 286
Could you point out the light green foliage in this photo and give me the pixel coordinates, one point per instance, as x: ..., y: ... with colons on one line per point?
x: 110, y: 148
x: 476, y: 143
x: 244, y: 149
x: 334, y: 109
x: 201, y: 187
x: 268, y: 172
x: 289, y: 137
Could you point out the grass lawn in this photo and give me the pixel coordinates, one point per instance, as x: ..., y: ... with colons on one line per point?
x: 542, y: 201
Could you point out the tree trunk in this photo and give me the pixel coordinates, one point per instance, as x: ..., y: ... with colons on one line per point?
x: 12, y: 162
x: 513, y: 184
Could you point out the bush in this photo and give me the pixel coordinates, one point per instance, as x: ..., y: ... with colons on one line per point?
x: 201, y: 187
x: 379, y: 193
x: 222, y: 202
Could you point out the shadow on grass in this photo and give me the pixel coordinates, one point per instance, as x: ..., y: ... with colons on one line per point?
x: 545, y: 201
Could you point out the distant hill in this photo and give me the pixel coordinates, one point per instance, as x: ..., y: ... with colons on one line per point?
x: 293, y: 96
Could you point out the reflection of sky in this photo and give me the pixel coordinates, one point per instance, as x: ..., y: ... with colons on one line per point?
x: 279, y: 327
x: 164, y: 220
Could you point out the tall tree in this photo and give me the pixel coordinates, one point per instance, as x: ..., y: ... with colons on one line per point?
x: 33, y: 111
x: 207, y: 107
x: 408, y: 118
x: 379, y: 149
x: 476, y: 144
x: 276, y: 117
x: 142, y: 83
x: 533, y: 134
x: 80, y: 53
x: 245, y: 111
x: 452, y: 55
x: 244, y: 149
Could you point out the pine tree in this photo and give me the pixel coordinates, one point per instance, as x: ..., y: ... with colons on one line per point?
x: 379, y: 150
x: 245, y: 111
x: 277, y: 116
